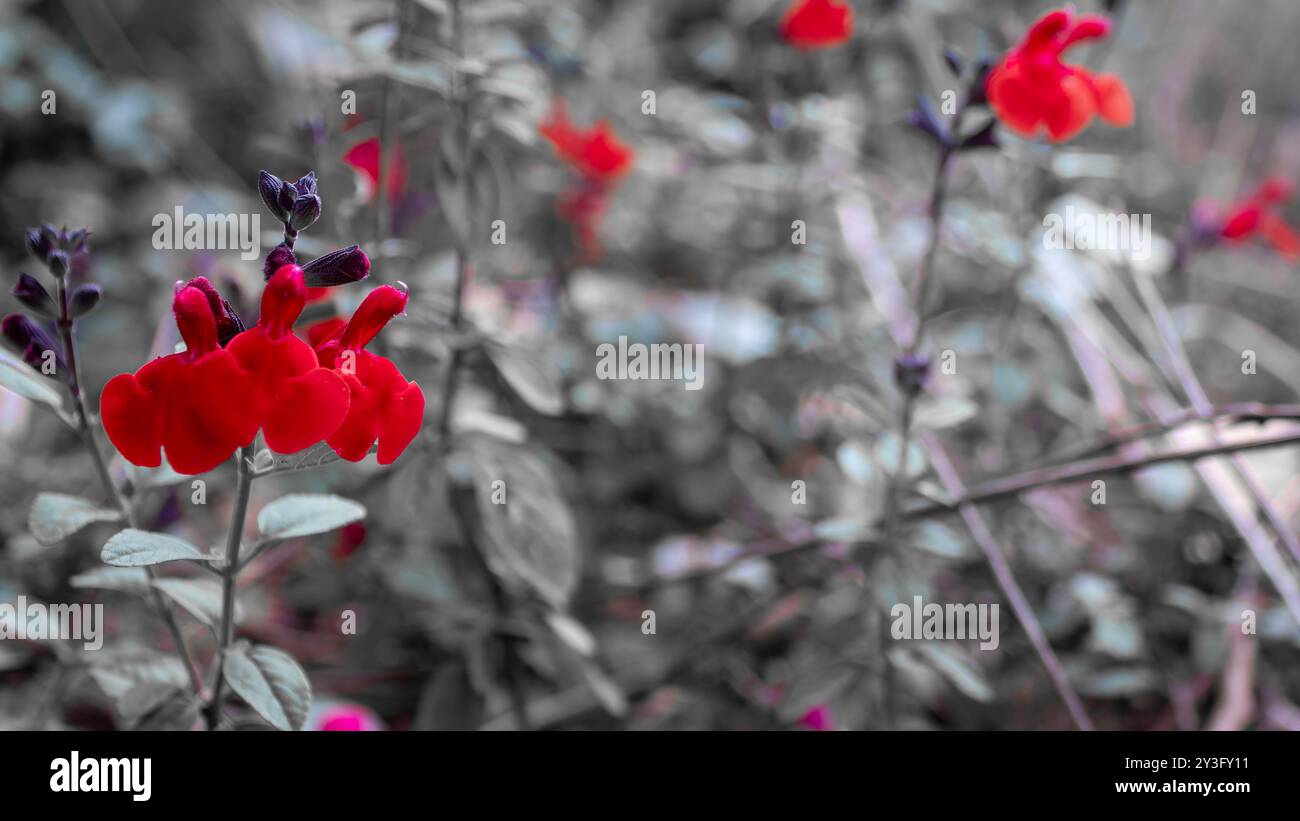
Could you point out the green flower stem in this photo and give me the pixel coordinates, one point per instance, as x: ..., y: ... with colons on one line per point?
x: 243, y: 489
x: 67, y: 335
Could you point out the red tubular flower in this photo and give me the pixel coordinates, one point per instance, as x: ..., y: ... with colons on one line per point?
x: 365, y: 158
x: 1256, y: 215
x: 190, y: 404
x: 601, y: 159
x: 810, y: 24
x: 385, y: 406
x: 296, y: 402
x: 1031, y: 90
x: 596, y: 153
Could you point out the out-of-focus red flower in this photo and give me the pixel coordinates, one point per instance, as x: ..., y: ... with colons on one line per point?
x: 365, y: 158
x: 818, y: 718
x: 296, y: 402
x: 385, y: 407
x: 191, y: 405
x: 348, y: 717
x: 596, y: 153
x: 349, y: 541
x: 601, y: 159
x: 810, y: 24
x: 1253, y: 216
x: 1032, y: 91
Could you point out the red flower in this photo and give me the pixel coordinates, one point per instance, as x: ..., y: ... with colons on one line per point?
x: 1031, y: 90
x: 595, y: 153
x: 385, y: 406
x: 190, y: 404
x: 365, y: 158
x: 601, y: 159
x: 1253, y: 216
x: 296, y: 402
x: 810, y: 24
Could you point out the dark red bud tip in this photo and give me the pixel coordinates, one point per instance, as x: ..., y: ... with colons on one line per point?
x: 283, y: 300
x: 280, y: 256
x: 84, y: 300
x: 31, y: 293
x: 379, y: 306
x: 337, y: 268
x: 194, y: 318
x: 32, y: 341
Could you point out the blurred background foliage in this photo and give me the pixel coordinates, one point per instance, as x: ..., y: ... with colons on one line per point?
x: 767, y: 613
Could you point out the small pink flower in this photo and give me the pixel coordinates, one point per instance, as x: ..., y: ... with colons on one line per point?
x: 818, y: 718
x: 346, y: 716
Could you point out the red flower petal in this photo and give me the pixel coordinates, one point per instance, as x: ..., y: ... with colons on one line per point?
x: 810, y: 24
x: 352, y: 439
x: 305, y: 410
x: 1282, y: 237
x: 132, y: 420
x: 1113, y: 101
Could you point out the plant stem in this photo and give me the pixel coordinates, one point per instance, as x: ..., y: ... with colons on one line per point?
x: 1007, y: 582
x: 243, y: 488
x: 920, y: 298
x: 1181, y: 367
x: 67, y: 335
x: 464, y: 244
x: 1088, y: 468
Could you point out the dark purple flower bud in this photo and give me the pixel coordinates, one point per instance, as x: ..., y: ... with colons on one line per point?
x: 280, y: 256
x: 84, y: 300
x: 984, y: 137
x: 76, y: 241
x: 58, y: 262
x: 31, y: 341
x: 31, y: 293
x: 306, y: 185
x: 304, y: 212
x: 38, y: 244
x: 337, y: 268
x: 229, y: 325
x: 269, y: 186
x: 285, y: 199
x: 53, y: 236
x: 954, y: 60
x: 977, y: 94
x: 925, y: 118
x: 910, y: 372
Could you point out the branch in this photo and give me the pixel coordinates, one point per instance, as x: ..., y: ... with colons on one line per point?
x: 1088, y: 468
x: 1007, y: 582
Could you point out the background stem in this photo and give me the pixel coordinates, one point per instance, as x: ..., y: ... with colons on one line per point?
x: 67, y: 335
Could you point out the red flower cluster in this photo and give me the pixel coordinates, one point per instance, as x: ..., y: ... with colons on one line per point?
x: 384, y: 407
x: 189, y: 404
x: 200, y: 405
x: 1031, y: 90
x: 1254, y: 216
x: 600, y: 158
x: 810, y: 24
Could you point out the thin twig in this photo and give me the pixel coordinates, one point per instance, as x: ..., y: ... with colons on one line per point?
x: 1007, y: 582
x: 1181, y: 367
